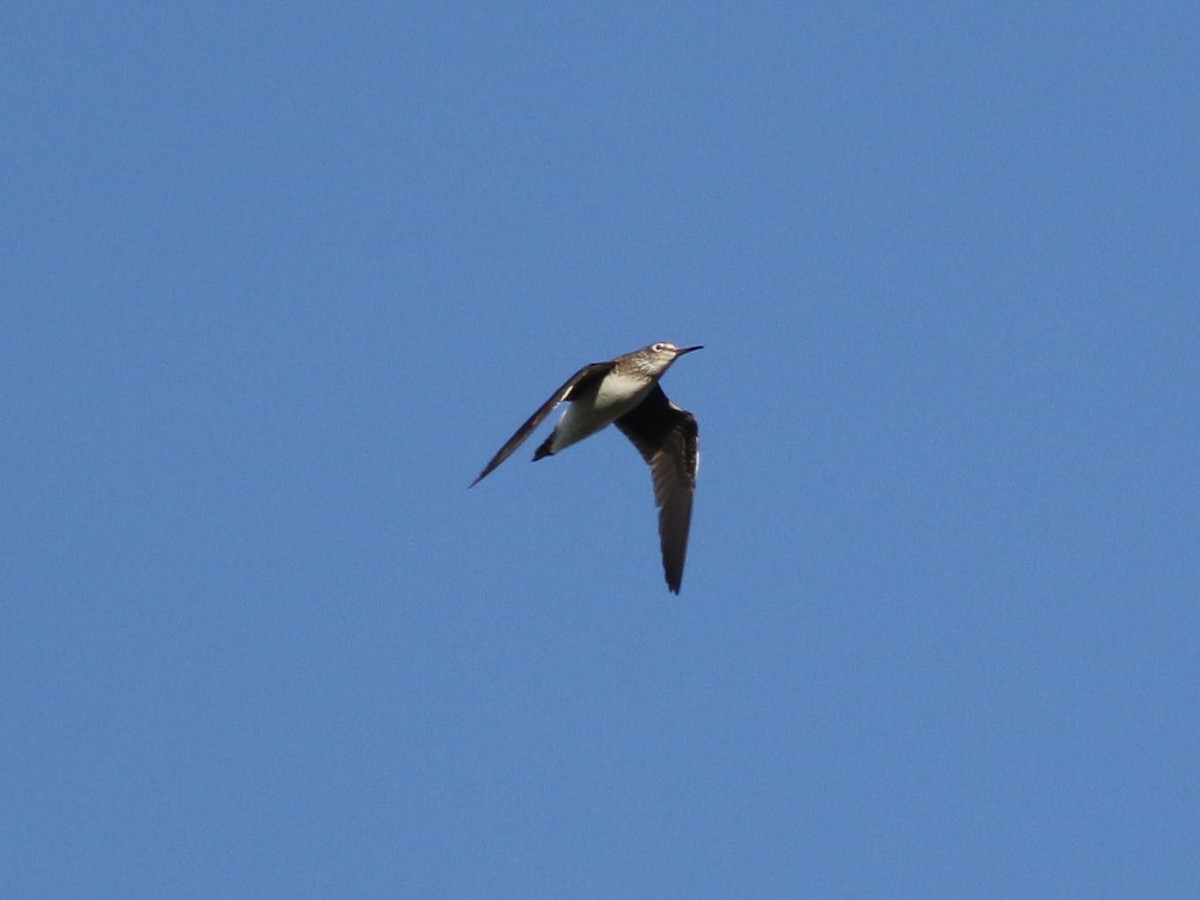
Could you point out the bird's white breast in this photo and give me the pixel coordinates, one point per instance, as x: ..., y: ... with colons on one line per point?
x: 587, y: 414
x: 621, y: 391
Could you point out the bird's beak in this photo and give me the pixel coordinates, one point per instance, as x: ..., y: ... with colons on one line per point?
x: 688, y: 350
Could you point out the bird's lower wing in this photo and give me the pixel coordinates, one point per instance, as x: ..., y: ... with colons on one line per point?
x: 668, y: 439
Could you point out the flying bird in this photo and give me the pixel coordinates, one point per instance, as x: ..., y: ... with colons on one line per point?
x: 625, y: 391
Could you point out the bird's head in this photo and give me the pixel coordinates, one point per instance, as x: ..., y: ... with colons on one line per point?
x: 659, y: 356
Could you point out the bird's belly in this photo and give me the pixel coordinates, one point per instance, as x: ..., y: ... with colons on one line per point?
x: 588, y: 414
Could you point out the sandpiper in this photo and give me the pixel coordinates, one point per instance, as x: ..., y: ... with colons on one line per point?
x: 625, y: 391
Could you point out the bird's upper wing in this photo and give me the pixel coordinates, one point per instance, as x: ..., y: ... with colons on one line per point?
x: 668, y: 439
x: 581, y: 378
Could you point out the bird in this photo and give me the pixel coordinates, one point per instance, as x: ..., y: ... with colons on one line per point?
x: 625, y: 391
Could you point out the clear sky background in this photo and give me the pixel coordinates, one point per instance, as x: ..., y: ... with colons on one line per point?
x: 278, y: 279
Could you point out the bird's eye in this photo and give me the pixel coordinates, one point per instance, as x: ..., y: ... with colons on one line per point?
x: 659, y: 347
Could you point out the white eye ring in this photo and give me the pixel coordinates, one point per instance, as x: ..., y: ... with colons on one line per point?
x: 659, y: 347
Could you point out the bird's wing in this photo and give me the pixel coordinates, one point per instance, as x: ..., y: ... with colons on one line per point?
x: 581, y: 378
x: 668, y: 439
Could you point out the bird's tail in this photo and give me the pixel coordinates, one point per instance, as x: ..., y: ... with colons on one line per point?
x: 544, y: 449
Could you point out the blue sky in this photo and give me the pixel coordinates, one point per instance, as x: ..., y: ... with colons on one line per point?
x: 279, y: 279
